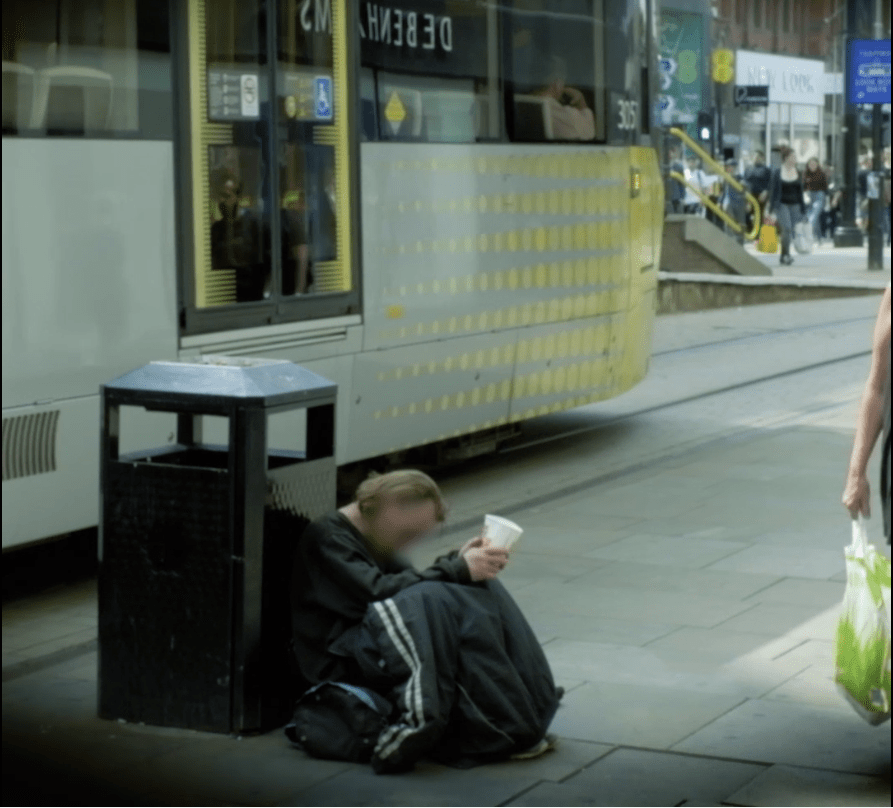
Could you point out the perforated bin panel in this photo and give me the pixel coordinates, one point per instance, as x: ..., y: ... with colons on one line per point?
x: 296, y: 494
x: 165, y: 591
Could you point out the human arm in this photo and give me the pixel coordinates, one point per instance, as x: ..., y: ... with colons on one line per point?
x: 348, y: 576
x: 856, y: 493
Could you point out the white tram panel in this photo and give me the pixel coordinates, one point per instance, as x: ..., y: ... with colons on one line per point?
x: 88, y: 294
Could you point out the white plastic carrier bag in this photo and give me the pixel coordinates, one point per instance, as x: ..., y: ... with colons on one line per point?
x: 803, y: 237
x: 862, y: 647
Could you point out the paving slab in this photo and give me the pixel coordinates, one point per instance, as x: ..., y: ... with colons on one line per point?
x: 770, y: 619
x: 814, y: 686
x: 551, y: 624
x: 428, y: 784
x: 535, y: 566
x: 708, y: 646
x: 632, y: 715
x: 676, y: 608
x: 770, y: 731
x: 791, y: 562
x: 793, y: 785
x: 666, y: 668
x: 667, y: 550
x: 671, y: 578
x: 639, y: 777
x: 568, y: 758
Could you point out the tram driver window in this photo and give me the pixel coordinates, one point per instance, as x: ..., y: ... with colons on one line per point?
x: 550, y: 52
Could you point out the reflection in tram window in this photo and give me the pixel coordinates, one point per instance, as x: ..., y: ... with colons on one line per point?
x: 426, y: 76
x: 86, y: 68
x: 239, y: 236
x: 551, y: 69
x: 307, y: 173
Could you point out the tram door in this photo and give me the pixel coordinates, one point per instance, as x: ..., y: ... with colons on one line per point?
x: 268, y: 153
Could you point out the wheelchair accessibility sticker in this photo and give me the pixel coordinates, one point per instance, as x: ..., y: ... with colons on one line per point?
x: 323, y: 98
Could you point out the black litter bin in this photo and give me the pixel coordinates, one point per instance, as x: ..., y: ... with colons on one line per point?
x: 196, y: 541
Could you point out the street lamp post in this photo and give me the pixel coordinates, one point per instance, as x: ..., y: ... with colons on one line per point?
x: 849, y: 234
x: 876, y: 203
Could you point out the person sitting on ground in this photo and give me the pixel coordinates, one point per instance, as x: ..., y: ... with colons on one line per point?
x: 447, y: 646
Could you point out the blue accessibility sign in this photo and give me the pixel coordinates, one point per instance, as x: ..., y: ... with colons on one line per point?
x: 323, y: 98
x: 868, y: 71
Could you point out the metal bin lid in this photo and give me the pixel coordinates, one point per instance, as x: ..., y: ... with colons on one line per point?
x: 221, y: 383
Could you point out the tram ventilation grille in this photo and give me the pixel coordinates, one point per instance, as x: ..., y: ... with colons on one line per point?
x: 29, y: 444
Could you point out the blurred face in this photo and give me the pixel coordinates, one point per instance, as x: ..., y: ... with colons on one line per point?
x: 813, y: 165
x: 791, y: 160
x: 758, y: 158
x: 400, y: 523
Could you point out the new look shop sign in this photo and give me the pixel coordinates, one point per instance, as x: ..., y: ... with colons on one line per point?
x: 790, y: 80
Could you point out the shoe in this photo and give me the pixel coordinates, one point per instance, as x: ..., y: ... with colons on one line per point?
x: 547, y: 744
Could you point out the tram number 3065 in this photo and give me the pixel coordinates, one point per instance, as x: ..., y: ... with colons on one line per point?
x: 627, y: 114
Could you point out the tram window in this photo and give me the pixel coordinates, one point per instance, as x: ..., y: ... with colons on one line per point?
x: 88, y: 68
x: 271, y: 174
x: 425, y: 74
x: 550, y: 70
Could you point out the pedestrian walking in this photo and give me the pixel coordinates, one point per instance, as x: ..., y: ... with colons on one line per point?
x: 734, y: 203
x: 832, y: 204
x: 677, y: 189
x: 873, y: 421
x: 757, y: 178
x: 786, y: 205
x: 696, y: 178
x: 815, y: 183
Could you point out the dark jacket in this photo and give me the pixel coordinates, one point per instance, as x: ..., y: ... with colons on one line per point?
x: 336, y: 576
x: 757, y: 178
x: 815, y: 180
x: 457, y: 660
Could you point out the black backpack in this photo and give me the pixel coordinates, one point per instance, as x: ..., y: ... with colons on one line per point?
x: 337, y: 721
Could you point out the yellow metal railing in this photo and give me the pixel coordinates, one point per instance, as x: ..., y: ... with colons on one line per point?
x: 720, y: 172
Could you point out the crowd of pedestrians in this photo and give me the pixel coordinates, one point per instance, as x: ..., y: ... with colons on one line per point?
x: 812, y: 193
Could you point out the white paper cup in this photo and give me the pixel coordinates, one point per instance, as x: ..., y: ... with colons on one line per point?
x: 500, y: 531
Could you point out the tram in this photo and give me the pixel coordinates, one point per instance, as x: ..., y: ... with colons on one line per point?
x: 451, y: 208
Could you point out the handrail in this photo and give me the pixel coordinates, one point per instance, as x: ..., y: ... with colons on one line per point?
x: 708, y: 202
x: 720, y: 171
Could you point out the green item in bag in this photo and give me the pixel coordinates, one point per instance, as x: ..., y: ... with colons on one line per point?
x: 862, y: 648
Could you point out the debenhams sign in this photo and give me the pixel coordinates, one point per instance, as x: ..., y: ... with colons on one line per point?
x: 414, y: 35
x: 790, y: 80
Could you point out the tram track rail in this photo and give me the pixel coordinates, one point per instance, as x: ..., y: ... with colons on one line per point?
x: 686, y: 448
x: 763, y: 334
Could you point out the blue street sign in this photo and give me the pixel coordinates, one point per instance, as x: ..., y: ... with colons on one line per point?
x: 868, y: 72
x: 323, y: 98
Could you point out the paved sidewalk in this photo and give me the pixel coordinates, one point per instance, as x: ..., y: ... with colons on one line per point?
x: 827, y: 262
x: 688, y: 609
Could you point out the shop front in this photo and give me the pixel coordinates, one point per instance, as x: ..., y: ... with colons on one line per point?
x: 796, y: 103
